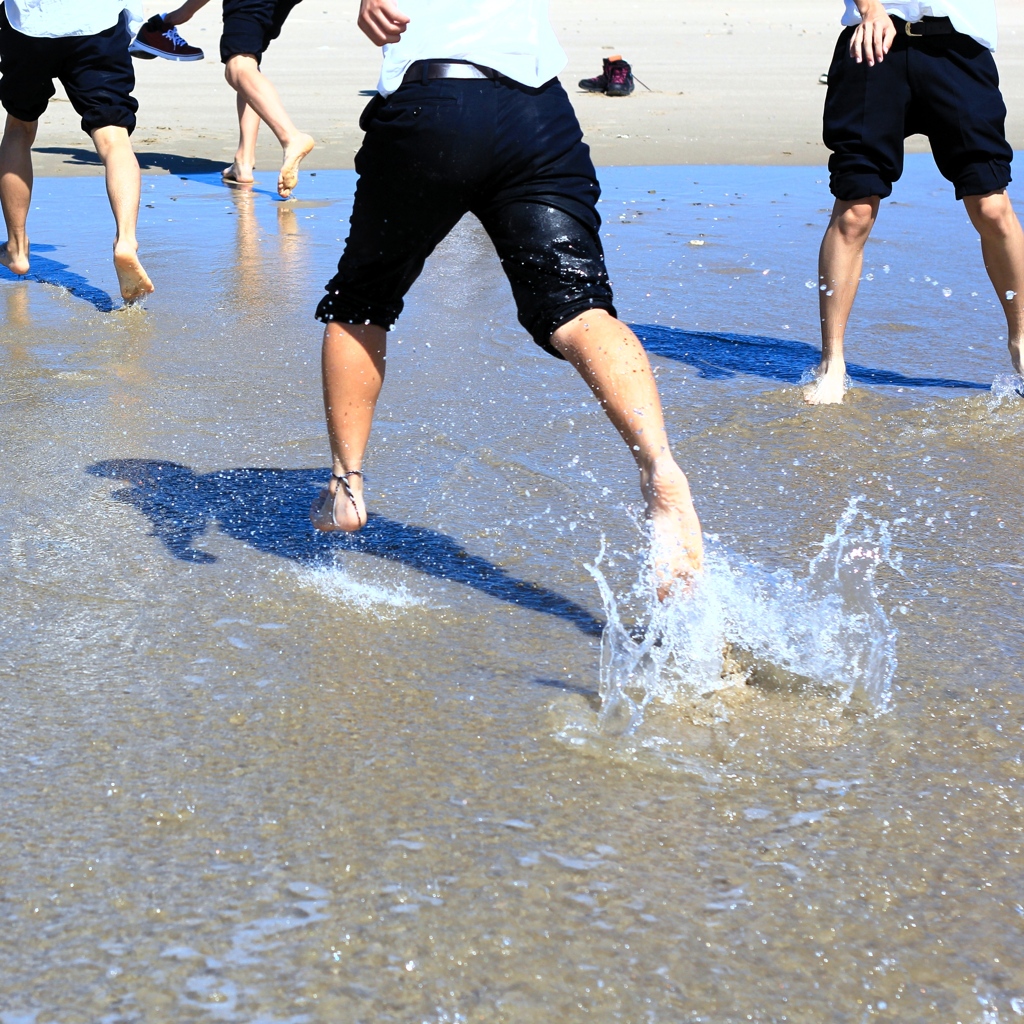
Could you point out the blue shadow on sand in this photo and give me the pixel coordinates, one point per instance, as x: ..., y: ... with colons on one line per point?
x: 49, y: 271
x: 720, y: 356
x: 268, y: 509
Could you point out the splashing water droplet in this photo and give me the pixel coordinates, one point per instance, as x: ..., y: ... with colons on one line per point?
x: 826, y: 630
x: 1010, y: 296
x: 947, y: 292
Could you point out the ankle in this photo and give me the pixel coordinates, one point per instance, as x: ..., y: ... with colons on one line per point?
x: 662, y: 482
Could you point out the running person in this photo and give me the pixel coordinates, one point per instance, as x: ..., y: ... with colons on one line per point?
x: 471, y: 118
x: 249, y: 28
x: 897, y: 72
x: 84, y: 44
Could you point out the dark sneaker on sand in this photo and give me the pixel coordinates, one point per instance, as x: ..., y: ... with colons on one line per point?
x: 620, y: 79
x: 155, y: 39
x: 598, y: 83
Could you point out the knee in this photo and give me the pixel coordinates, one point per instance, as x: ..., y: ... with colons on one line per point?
x: 853, y: 221
x: 22, y: 130
x: 237, y: 67
x: 992, y: 214
x: 591, y: 325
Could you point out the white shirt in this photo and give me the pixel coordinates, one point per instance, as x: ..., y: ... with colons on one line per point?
x: 52, y: 19
x: 975, y: 18
x: 514, y: 37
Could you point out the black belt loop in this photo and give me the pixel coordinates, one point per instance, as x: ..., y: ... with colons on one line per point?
x: 426, y: 72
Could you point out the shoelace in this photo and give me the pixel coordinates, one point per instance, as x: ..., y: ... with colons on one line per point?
x: 172, y: 36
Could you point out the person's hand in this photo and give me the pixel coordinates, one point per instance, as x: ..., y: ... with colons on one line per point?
x: 873, y: 36
x: 381, y: 21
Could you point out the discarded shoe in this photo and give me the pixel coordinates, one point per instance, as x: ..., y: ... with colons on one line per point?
x: 157, y: 39
x: 599, y: 82
x: 620, y: 78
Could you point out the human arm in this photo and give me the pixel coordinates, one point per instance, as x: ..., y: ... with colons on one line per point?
x: 874, y: 35
x: 381, y: 22
x: 184, y: 12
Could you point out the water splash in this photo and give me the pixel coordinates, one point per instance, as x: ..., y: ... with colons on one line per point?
x: 336, y: 584
x: 1006, y: 388
x: 742, y: 623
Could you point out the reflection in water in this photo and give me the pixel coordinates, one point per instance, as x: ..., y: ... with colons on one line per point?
x: 261, y: 272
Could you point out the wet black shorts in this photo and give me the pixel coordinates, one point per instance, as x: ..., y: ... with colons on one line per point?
x: 96, y: 72
x: 942, y: 86
x: 511, y: 155
x: 250, y: 25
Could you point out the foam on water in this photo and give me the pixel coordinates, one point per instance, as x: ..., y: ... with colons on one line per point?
x: 742, y: 622
x: 335, y: 583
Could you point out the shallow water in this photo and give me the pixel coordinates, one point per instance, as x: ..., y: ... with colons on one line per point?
x: 252, y: 774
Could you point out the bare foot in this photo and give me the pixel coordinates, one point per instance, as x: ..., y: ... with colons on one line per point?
x: 131, y: 276
x: 828, y: 387
x: 238, y: 173
x: 677, y: 547
x: 339, y: 507
x: 300, y: 147
x: 16, y: 261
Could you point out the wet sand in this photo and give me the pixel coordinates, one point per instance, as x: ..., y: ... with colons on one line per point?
x: 255, y: 774
x: 731, y: 82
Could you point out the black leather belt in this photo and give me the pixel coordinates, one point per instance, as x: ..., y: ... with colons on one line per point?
x: 927, y: 27
x: 424, y: 70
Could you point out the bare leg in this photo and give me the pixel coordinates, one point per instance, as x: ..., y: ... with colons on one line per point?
x: 840, y: 261
x: 240, y: 171
x: 124, y: 186
x: 614, y: 364
x: 243, y: 75
x: 353, y: 370
x: 16, y: 190
x: 1002, y: 247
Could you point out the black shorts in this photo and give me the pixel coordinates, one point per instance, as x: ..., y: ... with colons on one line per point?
x: 511, y: 155
x: 96, y: 72
x: 942, y: 86
x: 250, y: 25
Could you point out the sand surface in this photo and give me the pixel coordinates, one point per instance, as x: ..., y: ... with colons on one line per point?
x: 730, y: 82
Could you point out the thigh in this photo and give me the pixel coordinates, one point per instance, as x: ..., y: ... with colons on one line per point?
x: 403, y: 208
x: 864, y: 121
x: 27, y: 70
x: 540, y: 210
x: 99, y: 78
x: 963, y: 114
x: 554, y: 263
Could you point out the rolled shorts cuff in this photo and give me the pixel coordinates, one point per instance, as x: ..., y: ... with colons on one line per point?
x: 980, y: 178
x: 109, y: 117
x: 544, y: 326
x: 334, y: 310
x: 861, y: 185
x: 28, y: 114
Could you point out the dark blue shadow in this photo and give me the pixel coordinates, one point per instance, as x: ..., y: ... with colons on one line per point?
x: 720, y: 356
x: 269, y: 510
x: 48, y: 271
